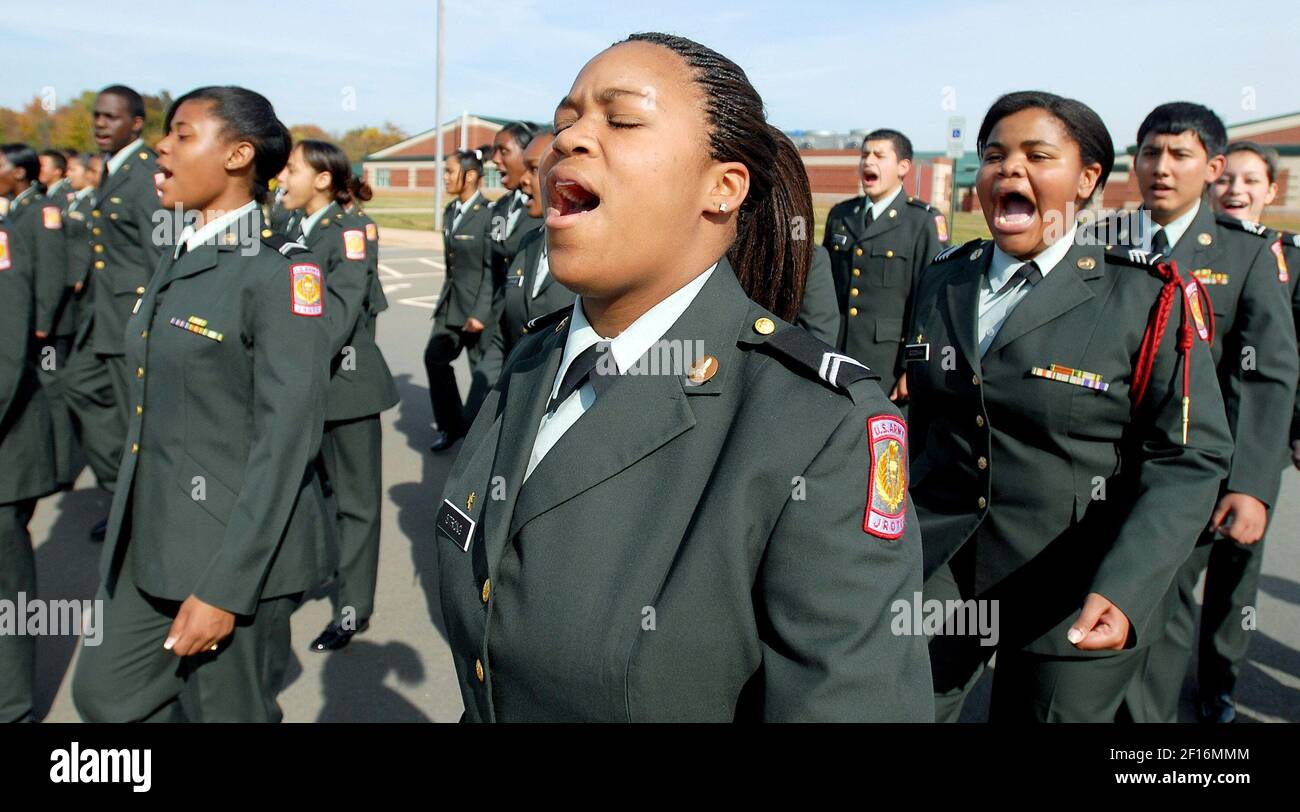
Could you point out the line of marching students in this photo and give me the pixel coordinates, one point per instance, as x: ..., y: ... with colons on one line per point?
x: 1074, y: 418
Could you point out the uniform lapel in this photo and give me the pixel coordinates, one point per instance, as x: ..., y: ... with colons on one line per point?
x: 639, y: 413
x: 1190, y: 253
x: 963, y: 303
x: 885, y: 221
x: 1062, y: 290
x: 854, y: 222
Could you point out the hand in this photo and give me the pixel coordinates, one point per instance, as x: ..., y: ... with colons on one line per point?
x: 899, y: 392
x: 76, y: 288
x: 1240, y: 517
x: 198, y: 627
x: 473, y: 325
x: 1099, y: 626
x: 1295, y: 453
x: 42, y: 335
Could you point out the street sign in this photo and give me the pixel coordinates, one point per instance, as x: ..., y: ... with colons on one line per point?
x: 956, y: 137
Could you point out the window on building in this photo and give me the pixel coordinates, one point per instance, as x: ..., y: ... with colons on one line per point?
x: 381, y: 179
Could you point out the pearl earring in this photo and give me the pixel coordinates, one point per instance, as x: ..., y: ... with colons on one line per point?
x: 722, y: 207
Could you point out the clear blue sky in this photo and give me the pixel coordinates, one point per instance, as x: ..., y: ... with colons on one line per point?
x: 818, y: 65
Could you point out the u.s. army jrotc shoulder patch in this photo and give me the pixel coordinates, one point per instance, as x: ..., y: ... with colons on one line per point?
x: 51, y: 218
x: 372, y: 233
x: 5, y: 262
x: 354, y: 244
x: 306, y: 289
x: 887, y: 504
x: 941, y: 225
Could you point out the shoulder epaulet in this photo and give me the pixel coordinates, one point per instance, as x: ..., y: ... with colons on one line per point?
x: 819, y: 359
x: 921, y: 204
x: 1133, y: 256
x: 282, y: 243
x: 1290, y: 239
x: 1258, y: 229
x: 547, y: 320
x: 953, y: 250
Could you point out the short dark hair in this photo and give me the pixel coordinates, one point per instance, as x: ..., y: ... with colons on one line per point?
x: 522, y: 131
x: 323, y: 156
x: 1266, y: 154
x: 249, y: 117
x: 56, y: 155
x: 902, y: 144
x: 1173, y: 118
x: 82, y: 158
x: 1080, y: 121
x: 69, y: 152
x: 23, y: 157
x: 134, y: 101
x: 469, y: 160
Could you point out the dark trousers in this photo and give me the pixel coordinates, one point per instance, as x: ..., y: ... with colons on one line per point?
x: 96, y: 387
x: 445, y: 345
x: 52, y: 360
x: 129, y: 677
x: 17, y: 574
x: 1231, y: 581
x: 351, y: 455
x: 1027, y: 687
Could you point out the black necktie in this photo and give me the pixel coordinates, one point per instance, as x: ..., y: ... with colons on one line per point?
x: 1025, y: 273
x: 1160, y: 243
x: 587, y: 366
x: 868, y: 216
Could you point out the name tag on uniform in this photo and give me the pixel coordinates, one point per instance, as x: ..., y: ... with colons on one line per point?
x: 455, y: 524
x: 840, y: 239
x: 916, y: 352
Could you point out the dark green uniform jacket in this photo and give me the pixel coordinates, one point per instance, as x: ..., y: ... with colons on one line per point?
x: 467, y: 293
x: 505, y: 244
x: 378, y: 301
x: 40, y: 222
x: 26, y: 434
x: 230, y: 358
x: 360, y: 382
x: 876, y: 269
x: 1289, y: 271
x: 1254, y: 341
x: 519, y: 306
x: 125, y: 246
x: 685, y: 552
x: 819, y: 313
x: 1080, y: 494
x: 77, y: 227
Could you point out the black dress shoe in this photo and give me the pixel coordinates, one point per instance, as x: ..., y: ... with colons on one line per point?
x: 100, y: 530
x: 443, y: 440
x: 336, y: 637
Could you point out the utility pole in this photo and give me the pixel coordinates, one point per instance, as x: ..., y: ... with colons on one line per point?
x: 437, y: 124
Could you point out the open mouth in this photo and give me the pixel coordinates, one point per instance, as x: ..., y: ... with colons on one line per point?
x: 870, y: 176
x: 1236, y: 205
x: 1013, y: 211
x: 570, y: 199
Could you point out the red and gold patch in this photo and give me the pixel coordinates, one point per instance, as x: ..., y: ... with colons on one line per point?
x: 886, y: 516
x: 51, y: 218
x: 306, y: 289
x: 941, y: 224
x: 372, y: 232
x: 354, y: 244
x: 5, y: 262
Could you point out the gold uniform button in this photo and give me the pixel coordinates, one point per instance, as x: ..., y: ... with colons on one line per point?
x: 487, y: 589
x: 96, y: 231
x: 135, y: 448
x: 983, y: 503
x: 139, y: 410
x: 140, y: 290
x: 857, y: 272
x: 853, y: 311
x: 266, y: 232
x: 853, y: 291
x: 99, y: 264
x: 99, y: 249
x: 764, y: 326
x: 979, y: 420
x: 983, y: 463
x: 112, y: 215
x: 144, y: 333
x: 890, y: 252
x: 857, y: 251
x: 139, y: 372
x: 478, y: 670
x: 975, y: 379
x: 95, y: 213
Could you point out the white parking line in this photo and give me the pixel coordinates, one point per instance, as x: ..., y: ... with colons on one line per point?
x: 429, y: 302
x: 437, y: 265
x: 389, y: 270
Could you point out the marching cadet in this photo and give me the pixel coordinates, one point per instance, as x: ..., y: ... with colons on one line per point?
x: 1180, y: 153
x: 879, y: 243
x: 1241, y: 192
x: 54, y: 175
x: 76, y: 225
x: 218, y: 523
x: 464, y: 306
x: 1054, y: 442
x: 819, y: 313
x: 319, y: 182
x: 530, y: 290
x: 26, y: 463
x: 40, y: 220
x: 621, y: 569
x: 124, y: 254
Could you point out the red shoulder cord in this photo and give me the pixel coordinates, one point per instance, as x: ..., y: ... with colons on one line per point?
x: 1193, y: 296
